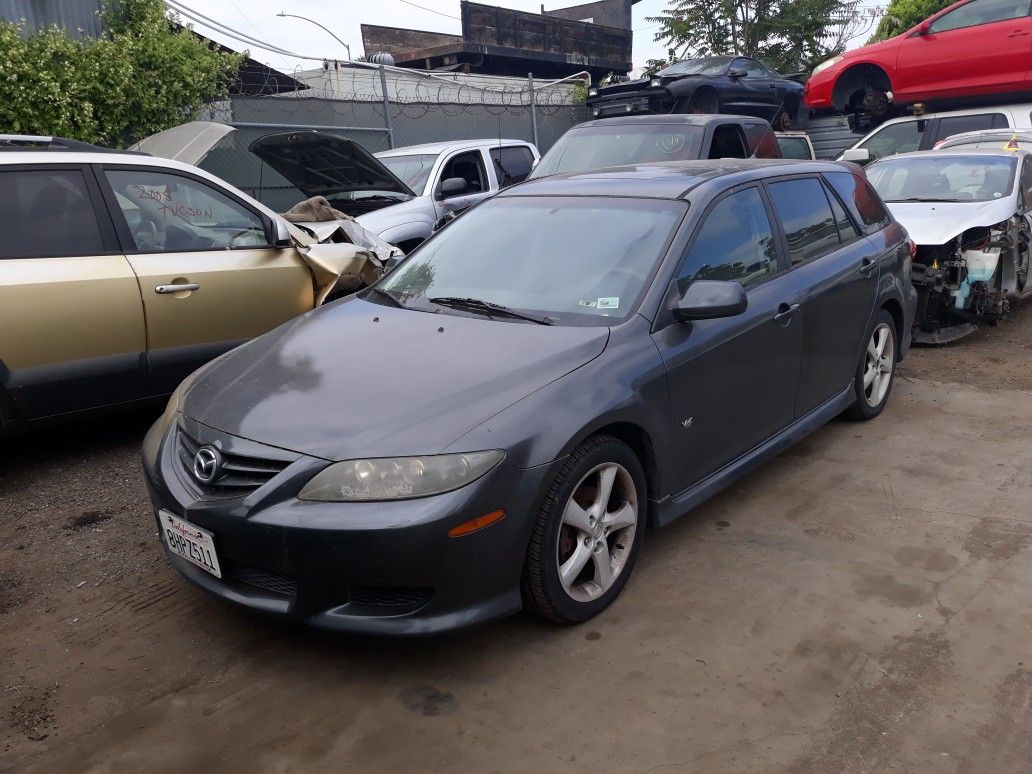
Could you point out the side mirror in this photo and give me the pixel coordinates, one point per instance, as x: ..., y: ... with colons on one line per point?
x: 924, y: 28
x: 392, y: 263
x: 280, y: 235
x: 710, y: 299
x: 453, y: 186
x: 856, y: 155
x: 736, y: 74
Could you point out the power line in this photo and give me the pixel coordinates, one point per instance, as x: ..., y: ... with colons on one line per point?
x: 431, y: 10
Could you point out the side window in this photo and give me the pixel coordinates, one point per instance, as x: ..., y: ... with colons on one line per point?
x: 896, y: 138
x: 762, y: 141
x: 47, y: 214
x: 512, y: 164
x: 803, y: 209
x: 861, y: 200
x: 947, y: 127
x: 753, y: 69
x: 727, y: 143
x: 168, y: 213
x: 470, y: 167
x: 980, y: 12
x: 1026, y: 182
x: 734, y: 242
x: 847, y: 230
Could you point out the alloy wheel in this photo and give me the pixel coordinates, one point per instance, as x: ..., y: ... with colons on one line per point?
x: 597, y: 532
x: 878, y: 364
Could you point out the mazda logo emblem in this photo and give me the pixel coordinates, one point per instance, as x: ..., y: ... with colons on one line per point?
x: 207, y: 464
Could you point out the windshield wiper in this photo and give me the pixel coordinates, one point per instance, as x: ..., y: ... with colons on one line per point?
x: 388, y: 295
x: 922, y: 199
x: 490, y: 309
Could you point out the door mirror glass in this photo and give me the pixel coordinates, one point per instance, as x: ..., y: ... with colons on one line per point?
x: 737, y: 73
x: 453, y: 186
x: 710, y: 299
x: 856, y: 155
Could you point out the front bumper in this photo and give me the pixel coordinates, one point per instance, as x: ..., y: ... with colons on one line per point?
x: 652, y: 100
x: 381, y: 568
x: 817, y: 93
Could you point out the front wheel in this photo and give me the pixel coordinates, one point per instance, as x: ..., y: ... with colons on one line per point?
x: 704, y: 101
x: 587, y: 533
x: 876, y: 370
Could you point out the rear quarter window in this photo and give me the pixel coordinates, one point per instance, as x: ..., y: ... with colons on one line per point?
x: 861, y: 199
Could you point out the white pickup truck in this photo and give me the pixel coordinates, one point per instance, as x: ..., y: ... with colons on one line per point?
x: 400, y: 194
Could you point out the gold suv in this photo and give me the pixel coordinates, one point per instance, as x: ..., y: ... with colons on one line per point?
x: 121, y: 273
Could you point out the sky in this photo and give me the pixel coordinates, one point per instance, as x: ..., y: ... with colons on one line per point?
x: 258, y: 19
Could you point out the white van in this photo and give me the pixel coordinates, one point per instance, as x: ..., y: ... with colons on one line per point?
x: 912, y: 133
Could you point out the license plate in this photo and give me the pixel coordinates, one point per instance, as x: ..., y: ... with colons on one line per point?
x: 190, y: 542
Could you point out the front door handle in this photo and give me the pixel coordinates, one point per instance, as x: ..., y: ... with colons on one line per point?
x: 180, y: 288
x: 1018, y: 34
x: 785, y: 311
x: 867, y: 265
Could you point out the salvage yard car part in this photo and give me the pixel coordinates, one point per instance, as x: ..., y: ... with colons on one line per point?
x: 713, y: 84
x: 974, y: 48
x: 121, y: 273
x: 570, y: 361
x: 970, y: 214
x: 611, y: 142
x: 399, y: 194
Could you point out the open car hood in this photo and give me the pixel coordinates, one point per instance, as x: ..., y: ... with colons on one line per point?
x: 936, y: 223
x: 321, y: 164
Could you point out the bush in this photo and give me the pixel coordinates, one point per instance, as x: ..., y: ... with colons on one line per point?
x: 145, y: 74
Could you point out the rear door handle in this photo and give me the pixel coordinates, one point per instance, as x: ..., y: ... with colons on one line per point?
x: 184, y: 286
x: 867, y: 265
x: 785, y: 311
x: 1018, y: 34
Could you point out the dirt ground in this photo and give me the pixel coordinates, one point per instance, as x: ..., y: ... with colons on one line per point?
x: 859, y: 604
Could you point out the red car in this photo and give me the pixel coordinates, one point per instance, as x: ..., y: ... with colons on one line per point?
x: 972, y: 48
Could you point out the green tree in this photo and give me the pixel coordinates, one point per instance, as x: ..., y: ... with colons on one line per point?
x: 901, y: 15
x: 788, y: 35
x: 146, y: 73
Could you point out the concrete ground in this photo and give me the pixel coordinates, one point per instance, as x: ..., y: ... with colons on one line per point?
x: 861, y: 604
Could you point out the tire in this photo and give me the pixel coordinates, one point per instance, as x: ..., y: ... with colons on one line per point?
x: 872, y: 383
x: 704, y: 101
x: 783, y: 121
x: 556, y: 542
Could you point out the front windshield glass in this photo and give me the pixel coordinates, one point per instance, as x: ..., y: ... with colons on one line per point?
x: 579, y: 260
x: 411, y: 170
x: 707, y: 65
x: 595, y: 147
x: 975, y: 178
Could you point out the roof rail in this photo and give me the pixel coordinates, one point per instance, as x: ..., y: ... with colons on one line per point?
x: 21, y: 142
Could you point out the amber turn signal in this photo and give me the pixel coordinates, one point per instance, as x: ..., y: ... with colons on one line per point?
x: 477, y: 524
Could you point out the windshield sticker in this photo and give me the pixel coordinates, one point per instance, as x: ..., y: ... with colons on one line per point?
x: 586, y: 303
x: 610, y: 302
x: 671, y: 144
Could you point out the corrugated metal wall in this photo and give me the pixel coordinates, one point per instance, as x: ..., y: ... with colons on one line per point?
x: 78, y: 17
x: 830, y: 136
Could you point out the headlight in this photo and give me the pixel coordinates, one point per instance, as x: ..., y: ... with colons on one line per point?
x: 398, y: 478
x: 655, y: 83
x: 826, y: 64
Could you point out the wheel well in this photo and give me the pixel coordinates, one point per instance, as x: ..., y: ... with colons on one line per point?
x: 705, y: 91
x: 892, y: 306
x: 410, y: 244
x: 641, y: 444
x: 855, y: 79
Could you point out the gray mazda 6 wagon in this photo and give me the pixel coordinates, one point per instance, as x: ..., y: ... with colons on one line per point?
x: 496, y: 422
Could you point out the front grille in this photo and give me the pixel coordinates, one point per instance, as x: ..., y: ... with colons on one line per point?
x: 389, y: 596
x: 240, y: 474
x: 263, y: 579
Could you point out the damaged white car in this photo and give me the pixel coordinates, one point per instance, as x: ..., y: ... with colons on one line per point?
x: 970, y: 214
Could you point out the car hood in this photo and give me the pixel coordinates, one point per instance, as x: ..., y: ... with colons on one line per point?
x: 356, y: 379
x: 319, y: 164
x: 936, y: 223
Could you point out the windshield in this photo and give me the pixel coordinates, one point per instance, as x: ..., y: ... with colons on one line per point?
x: 596, y: 147
x: 411, y: 170
x: 580, y: 260
x: 941, y: 178
x: 707, y: 65
x: 794, y: 148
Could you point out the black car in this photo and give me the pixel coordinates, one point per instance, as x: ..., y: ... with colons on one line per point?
x: 611, y: 142
x: 495, y: 423
x: 712, y: 84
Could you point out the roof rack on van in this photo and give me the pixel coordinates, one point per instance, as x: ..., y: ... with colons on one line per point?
x: 21, y: 142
